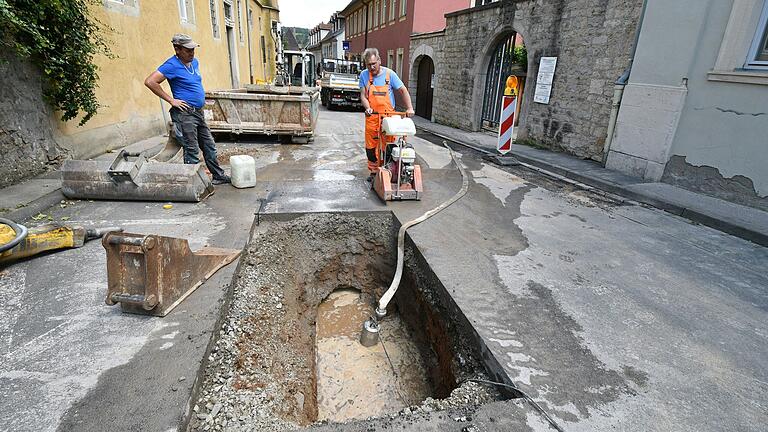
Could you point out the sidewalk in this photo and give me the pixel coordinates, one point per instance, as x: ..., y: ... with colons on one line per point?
x: 31, y: 197
x: 738, y: 220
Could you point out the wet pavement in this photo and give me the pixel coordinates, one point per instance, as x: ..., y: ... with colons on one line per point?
x: 612, y: 317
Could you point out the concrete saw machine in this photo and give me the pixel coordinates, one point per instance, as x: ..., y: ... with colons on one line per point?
x: 399, y: 178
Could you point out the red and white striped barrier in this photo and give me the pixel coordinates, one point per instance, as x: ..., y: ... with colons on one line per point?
x: 507, y: 123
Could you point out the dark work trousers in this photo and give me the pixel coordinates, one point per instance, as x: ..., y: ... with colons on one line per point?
x: 193, y: 133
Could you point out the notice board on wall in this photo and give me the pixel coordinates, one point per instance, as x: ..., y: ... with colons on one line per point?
x: 544, y: 79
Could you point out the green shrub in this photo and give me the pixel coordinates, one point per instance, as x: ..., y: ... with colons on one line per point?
x: 61, y: 37
x: 520, y: 56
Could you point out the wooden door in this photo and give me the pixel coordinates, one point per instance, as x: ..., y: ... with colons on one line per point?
x: 425, y: 88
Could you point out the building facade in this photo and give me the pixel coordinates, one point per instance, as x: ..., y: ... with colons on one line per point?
x: 333, y: 42
x: 592, y: 42
x: 236, y: 49
x: 316, y: 36
x: 388, y: 25
x: 700, y: 121
x: 221, y: 27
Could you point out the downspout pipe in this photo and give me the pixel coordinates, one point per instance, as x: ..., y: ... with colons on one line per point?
x: 619, y: 85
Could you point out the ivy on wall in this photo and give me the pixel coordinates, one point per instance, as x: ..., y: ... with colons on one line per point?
x: 61, y: 37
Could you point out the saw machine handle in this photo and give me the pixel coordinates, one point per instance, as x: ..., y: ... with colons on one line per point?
x: 389, y: 113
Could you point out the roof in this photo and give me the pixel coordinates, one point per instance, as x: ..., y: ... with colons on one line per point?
x: 332, y: 35
x: 266, y: 4
x: 289, y: 39
x: 349, y: 6
x: 321, y: 26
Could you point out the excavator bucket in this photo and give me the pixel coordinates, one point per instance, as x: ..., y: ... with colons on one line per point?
x: 140, y: 176
x: 152, y: 274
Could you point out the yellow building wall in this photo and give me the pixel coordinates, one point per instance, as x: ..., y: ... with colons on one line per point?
x: 141, y: 41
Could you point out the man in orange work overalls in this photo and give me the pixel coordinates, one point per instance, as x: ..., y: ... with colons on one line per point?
x: 378, y: 85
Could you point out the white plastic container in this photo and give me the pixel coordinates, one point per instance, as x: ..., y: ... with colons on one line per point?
x: 398, y: 126
x: 243, y: 171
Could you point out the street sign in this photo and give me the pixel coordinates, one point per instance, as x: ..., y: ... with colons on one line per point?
x: 345, y: 45
x: 507, y: 123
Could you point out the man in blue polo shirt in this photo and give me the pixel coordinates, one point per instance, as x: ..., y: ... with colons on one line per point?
x: 183, y: 74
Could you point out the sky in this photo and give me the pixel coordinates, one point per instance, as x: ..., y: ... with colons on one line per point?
x: 308, y: 13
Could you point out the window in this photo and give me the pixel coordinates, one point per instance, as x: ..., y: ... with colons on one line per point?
x: 484, y: 2
x: 376, y: 13
x: 228, y: 14
x: 399, y: 64
x: 403, y: 7
x: 263, y: 50
x: 369, y: 13
x: 392, y: 11
x: 186, y: 12
x: 758, y: 53
x: 214, y: 18
x: 240, y: 20
x: 742, y: 55
x: 390, y: 59
x: 129, y: 7
x: 384, y: 12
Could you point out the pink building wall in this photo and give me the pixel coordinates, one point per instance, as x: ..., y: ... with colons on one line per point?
x: 429, y: 15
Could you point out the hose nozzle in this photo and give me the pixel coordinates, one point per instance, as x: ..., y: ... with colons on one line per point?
x: 370, y: 334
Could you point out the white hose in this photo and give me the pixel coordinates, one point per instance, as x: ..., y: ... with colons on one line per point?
x: 381, y: 311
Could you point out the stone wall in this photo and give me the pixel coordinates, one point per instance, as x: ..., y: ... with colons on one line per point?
x: 430, y: 45
x: 27, y: 145
x: 592, y: 40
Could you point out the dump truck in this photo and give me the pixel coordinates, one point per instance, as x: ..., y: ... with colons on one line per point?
x: 339, y: 84
x: 288, y: 107
x: 289, y: 112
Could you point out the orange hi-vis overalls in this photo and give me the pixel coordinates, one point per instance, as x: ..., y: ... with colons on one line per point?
x: 379, y: 101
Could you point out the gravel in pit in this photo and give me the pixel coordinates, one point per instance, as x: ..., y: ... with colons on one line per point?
x: 260, y: 374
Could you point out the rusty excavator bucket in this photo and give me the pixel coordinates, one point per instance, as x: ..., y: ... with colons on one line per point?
x: 152, y: 274
x: 140, y: 176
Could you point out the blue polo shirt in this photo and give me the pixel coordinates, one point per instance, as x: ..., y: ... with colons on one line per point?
x: 186, y: 82
x: 381, y: 79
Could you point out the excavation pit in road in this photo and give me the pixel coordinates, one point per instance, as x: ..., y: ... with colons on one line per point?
x: 287, y: 353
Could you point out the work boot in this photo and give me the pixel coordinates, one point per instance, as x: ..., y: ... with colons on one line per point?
x: 222, y: 180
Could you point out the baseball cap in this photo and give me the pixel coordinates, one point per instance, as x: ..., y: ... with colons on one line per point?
x: 184, y: 40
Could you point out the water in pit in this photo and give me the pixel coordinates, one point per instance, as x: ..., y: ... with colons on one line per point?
x: 355, y: 382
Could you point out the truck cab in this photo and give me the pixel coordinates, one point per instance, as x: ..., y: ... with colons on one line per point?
x: 339, y: 83
x: 300, y: 66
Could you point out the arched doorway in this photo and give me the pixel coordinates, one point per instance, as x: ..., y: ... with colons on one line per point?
x: 508, y: 58
x: 425, y: 88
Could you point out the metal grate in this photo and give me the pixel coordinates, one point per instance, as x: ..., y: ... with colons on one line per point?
x: 498, y: 69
